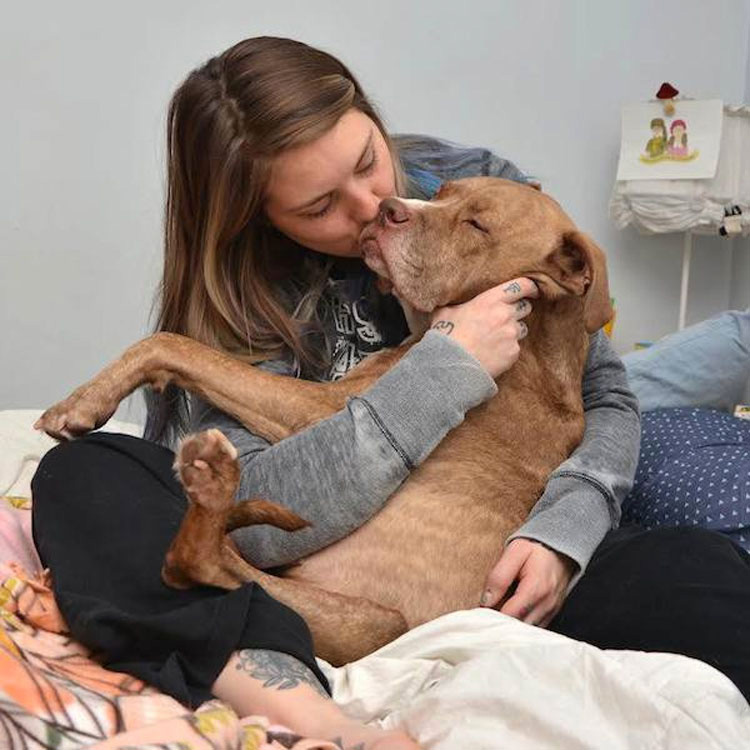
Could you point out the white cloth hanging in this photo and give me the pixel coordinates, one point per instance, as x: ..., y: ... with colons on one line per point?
x: 655, y: 206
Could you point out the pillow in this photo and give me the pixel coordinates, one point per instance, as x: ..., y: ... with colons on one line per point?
x: 706, y: 365
x: 694, y: 470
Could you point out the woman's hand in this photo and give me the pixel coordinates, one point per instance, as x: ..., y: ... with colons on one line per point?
x: 490, y: 325
x: 541, y: 576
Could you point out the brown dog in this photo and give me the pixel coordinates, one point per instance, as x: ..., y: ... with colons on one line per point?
x: 429, y: 550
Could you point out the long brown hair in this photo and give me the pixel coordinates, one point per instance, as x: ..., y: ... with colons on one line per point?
x: 231, y: 280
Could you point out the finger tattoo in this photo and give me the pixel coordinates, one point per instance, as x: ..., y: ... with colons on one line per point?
x: 513, y: 287
x: 523, y: 329
x: 444, y: 326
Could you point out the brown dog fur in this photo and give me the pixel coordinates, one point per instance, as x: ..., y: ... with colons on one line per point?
x: 429, y: 550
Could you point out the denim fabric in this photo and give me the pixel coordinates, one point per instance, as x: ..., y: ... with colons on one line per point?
x: 706, y: 365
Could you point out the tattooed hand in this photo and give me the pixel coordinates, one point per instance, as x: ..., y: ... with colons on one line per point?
x: 444, y: 326
x: 490, y: 326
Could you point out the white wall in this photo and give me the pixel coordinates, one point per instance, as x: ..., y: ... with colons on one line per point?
x: 740, y: 288
x: 85, y: 89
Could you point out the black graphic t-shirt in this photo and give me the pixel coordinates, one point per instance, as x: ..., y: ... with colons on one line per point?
x: 360, y: 320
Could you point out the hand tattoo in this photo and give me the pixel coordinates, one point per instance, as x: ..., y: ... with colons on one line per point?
x: 444, y: 326
x: 513, y: 287
x: 277, y: 670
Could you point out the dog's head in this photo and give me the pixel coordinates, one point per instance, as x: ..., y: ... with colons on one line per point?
x: 477, y: 233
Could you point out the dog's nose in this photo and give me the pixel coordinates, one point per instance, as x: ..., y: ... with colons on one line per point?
x: 393, y: 211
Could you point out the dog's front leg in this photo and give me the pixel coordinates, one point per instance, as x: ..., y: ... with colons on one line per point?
x: 272, y: 406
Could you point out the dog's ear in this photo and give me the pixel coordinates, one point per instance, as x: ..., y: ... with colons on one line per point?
x: 578, y: 266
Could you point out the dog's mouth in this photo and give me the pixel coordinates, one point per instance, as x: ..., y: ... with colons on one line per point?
x: 388, y: 255
x: 374, y: 257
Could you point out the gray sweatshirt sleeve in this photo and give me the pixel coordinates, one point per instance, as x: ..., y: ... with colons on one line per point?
x: 339, y: 472
x: 582, y: 499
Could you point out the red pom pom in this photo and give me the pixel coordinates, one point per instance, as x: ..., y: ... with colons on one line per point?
x: 666, y: 91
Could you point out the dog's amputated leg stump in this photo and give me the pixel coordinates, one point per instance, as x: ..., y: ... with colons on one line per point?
x: 206, y: 464
x: 202, y: 553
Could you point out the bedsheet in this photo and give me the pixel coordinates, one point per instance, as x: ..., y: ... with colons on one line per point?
x: 478, y: 679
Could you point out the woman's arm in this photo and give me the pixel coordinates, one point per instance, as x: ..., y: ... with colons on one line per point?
x: 338, y: 473
x: 582, y: 499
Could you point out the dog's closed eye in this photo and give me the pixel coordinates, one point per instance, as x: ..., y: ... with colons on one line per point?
x: 477, y: 225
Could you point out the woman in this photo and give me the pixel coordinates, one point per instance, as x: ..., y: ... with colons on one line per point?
x: 276, y: 162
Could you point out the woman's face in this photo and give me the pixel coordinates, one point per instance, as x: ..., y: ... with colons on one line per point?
x: 323, y: 193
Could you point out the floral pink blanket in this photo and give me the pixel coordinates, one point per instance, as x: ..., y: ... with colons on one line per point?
x: 54, y: 695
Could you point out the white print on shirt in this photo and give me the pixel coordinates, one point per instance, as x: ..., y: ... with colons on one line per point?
x: 356, y: 336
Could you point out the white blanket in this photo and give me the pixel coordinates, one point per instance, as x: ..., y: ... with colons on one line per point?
x: 478, y: 680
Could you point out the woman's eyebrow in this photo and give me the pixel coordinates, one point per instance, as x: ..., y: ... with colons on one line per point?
x: 356, y: 167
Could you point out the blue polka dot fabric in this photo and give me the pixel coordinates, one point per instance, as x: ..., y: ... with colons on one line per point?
x: 694, y: 470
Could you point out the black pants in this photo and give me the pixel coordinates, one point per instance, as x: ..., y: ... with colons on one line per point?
x: 105, y: 510
x: 107, y: 506
x: 680, y: 590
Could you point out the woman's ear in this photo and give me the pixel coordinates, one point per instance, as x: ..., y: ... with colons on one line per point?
x: 578, y: 266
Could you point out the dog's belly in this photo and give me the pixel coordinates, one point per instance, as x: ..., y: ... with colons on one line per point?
x: 429, y: 550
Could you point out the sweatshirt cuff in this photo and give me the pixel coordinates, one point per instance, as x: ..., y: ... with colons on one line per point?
x: 426, y: 394
x: 573, y: 520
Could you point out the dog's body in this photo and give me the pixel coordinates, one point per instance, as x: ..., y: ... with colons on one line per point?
x: 429, y: 550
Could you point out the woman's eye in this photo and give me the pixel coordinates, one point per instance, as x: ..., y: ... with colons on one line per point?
x: 323, y: 211
x: 370, y: 166
x: 478, y: 225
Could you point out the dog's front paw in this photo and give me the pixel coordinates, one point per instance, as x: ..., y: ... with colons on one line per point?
x: 87, y: 408
x: 206, y: 464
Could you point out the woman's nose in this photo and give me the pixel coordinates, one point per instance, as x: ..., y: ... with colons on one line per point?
x: 366, y: 208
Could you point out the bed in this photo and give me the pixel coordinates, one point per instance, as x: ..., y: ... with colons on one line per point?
x: 473, y: 679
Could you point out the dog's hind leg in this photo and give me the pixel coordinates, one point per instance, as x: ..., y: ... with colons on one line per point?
x: 343, y: 628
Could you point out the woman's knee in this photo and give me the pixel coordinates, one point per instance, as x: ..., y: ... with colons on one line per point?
x: 55, y: 463
x: 665, y: 557
x: 660, y: 580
